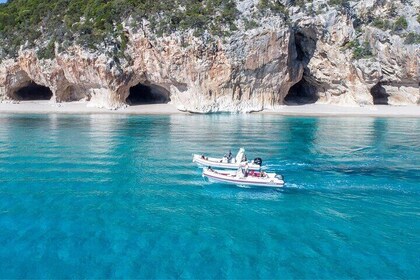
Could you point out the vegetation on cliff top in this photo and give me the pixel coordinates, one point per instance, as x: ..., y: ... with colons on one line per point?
x: 92, y: 22
x: 98, y: 24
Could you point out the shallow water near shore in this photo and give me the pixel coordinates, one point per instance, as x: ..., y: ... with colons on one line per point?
x: 114, y: 196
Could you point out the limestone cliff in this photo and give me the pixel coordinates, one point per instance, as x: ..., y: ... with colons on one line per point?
x: 320, y: 53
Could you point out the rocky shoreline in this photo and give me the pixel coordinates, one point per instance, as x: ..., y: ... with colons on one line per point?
x: 272, y: 64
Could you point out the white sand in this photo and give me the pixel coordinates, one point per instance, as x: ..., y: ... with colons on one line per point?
x: 42, y: 107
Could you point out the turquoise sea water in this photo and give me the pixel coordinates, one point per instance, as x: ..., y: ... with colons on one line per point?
x: 105, y: 196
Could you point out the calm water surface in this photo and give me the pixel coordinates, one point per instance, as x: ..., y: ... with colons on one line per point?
x: 103, y: 196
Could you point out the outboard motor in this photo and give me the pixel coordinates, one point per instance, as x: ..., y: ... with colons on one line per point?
x: 280, y: 177
x: 258, y: 161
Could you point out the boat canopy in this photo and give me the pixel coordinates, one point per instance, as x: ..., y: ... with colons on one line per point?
x: 240, y: 157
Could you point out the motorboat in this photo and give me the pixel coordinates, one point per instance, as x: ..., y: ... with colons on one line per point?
x: 244, y: 178
x: 227, y: 161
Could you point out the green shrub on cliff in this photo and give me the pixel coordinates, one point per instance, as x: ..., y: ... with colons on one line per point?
x: 400, y: 24
x: 362, y: 51
x: 274, y: 6
x: 250, y: 24
x: 359, y: 50
x: 412, y: 38
x: 47, y: 52
x: 334, y: 2
x: 338, y: 2
x: 300, y: 3
x: 382, y: 24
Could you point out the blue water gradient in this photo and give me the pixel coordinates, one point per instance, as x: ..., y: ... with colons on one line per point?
x: 109, y: 196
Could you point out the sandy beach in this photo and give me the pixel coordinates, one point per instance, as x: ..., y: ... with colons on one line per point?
x: 45, y: 107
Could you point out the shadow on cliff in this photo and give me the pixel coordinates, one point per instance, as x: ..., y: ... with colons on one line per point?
x: 147, y: 94
x: 302, y: 47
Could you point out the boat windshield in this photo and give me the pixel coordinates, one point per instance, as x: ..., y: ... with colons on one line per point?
x: 240, y: 157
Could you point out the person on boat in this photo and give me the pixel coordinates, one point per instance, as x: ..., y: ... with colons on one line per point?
x: 245, y: 170
x: 228, y: 156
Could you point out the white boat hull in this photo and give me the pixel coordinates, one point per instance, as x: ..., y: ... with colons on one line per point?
x: 270, y: 180
x: 202, y: 161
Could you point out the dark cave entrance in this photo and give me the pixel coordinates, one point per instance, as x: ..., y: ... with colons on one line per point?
x: 147, y: 94
x: 33, y: 91
x: 379, y: 94
x: 301, y: 93
x: 305, y: 91
x: 72, y: 93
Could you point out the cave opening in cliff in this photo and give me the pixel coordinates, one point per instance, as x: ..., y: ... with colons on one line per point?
x: 147, y: 94
x: 379, y: 95
x: 33, y: 91
x: 301, y: 93
x: 303, y: 45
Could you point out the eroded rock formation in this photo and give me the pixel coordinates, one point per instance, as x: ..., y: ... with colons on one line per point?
x: 304, y: 60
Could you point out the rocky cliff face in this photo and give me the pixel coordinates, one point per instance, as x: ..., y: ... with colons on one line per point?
x: 313, y: 56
